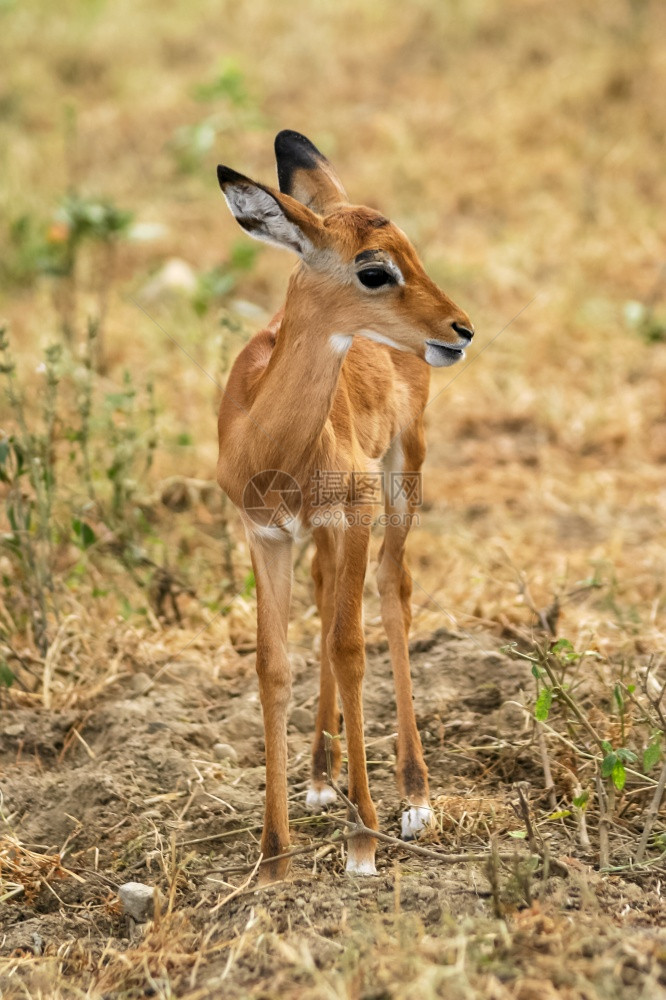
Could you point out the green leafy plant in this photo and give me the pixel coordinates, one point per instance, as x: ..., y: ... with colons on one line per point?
x: 581, y: 801
x: 613, y: 764
x: 543, y: 704
x: 83, y: 534
x: 191, y: 143
x: 564, y: 651
x: 236, y: 108
x: 7, y: 676
x: 646, y: 321
x: 653, y: 751
x: 55, y: 249
x: 81, y: 221
x: 28, y: 252
x: 28, y: 472
x: 229, y: 84
x: 70, y: 478
x: 78, y: 220
x: 123, y: 439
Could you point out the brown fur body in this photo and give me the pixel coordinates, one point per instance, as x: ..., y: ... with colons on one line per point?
x: 378, y: 389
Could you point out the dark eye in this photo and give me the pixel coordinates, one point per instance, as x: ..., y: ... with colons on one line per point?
x: 375, y: 277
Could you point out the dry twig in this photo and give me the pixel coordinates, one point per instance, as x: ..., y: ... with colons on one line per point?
x: 239, y: 889
x: 651, y: 815
x: 604, y: 824
x: 358, y: 828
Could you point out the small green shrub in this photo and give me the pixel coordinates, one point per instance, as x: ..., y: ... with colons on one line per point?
x: 77, y: 489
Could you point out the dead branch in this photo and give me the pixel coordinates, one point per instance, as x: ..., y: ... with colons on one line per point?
x: 651, y: 815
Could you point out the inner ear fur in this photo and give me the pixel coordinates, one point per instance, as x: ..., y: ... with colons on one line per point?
x: 268, y: 214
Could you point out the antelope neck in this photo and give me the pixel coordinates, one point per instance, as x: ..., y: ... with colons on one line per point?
x: 304, y: 369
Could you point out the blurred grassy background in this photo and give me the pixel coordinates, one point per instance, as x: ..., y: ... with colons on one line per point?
x: 520, y: 145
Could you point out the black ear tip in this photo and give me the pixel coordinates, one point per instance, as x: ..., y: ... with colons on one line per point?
x: 296, y: 147
x: 222, y: 175
x: 225, y: 175
x: 288, y: 136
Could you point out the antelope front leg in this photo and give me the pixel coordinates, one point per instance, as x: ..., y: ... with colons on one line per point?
x: 320, y: 794
x: 346, y: 650
x: 271, y: 561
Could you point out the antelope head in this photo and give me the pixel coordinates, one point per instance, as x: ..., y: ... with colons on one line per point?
x: 357, y: 266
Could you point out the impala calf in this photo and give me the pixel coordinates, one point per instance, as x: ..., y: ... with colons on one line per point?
x: 338, y: 381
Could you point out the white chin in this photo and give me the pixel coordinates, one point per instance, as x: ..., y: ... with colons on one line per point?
x: 442, y: 357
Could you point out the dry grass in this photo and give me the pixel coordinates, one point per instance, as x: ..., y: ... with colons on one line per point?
x: 521, y: 145
x: 531, y: 190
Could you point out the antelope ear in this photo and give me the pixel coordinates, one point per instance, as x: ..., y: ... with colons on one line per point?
x: 306, y: 174
x: 268, y: 215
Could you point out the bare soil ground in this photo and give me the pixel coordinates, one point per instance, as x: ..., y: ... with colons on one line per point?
x: 145, y: 795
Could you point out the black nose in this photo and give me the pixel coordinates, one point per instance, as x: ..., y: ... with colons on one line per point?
x: 463, y: 331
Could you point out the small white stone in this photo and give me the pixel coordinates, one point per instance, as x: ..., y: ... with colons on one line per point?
x: 139, y: 682
x: 138, y: 900
x: 415, y: 821
x: 224, y: 751
x: 318, y: 798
